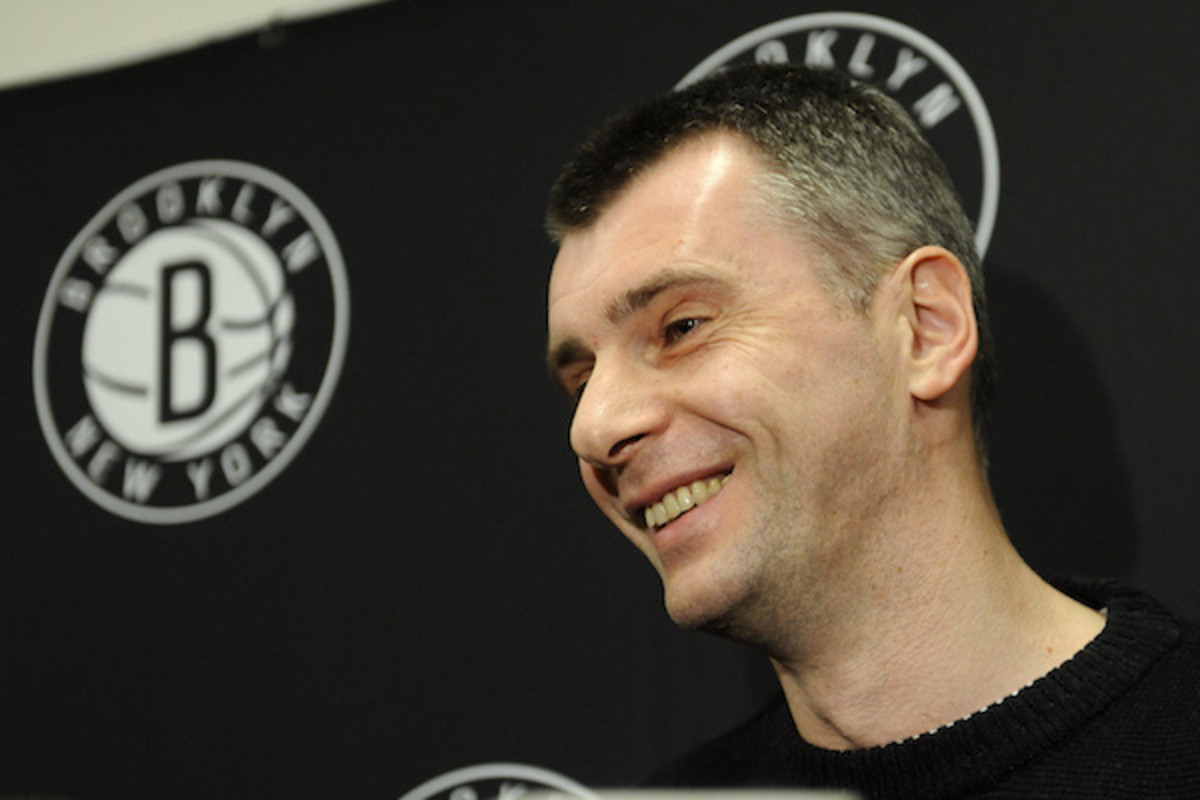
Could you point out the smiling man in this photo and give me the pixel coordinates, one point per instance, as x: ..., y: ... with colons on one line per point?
x: 768, y: 309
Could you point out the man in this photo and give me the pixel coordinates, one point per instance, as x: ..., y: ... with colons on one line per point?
x: 768, y: 307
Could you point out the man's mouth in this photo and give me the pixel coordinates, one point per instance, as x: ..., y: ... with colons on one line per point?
x: 681, y: 500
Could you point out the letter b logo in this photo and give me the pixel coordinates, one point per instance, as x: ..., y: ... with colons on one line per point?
x: 185, y: 345
x: 213, y: 295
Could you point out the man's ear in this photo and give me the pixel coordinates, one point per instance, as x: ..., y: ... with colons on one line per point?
x: 941, y: 314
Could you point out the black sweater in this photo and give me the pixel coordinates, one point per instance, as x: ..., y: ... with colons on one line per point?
x: 1119, y: 720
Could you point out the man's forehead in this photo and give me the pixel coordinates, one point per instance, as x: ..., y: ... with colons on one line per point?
x: 680, y: 200
x: 615, y: 300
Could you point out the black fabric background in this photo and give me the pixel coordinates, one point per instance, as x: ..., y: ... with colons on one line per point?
x: 426, y: 586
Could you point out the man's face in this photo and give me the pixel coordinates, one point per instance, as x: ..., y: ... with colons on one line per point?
x: 710, y: 365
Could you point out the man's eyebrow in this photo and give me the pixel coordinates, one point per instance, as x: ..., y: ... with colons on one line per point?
x: 640, y: 296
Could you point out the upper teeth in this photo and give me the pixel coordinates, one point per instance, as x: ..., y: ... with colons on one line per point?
x: 683, y: 499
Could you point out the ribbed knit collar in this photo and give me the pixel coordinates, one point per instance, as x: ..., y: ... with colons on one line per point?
x: 983, y: 747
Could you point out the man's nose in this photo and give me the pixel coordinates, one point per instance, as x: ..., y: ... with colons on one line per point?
x: 620, y: 406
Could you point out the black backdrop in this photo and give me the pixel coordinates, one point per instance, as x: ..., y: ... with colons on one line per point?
x: 425, y: 586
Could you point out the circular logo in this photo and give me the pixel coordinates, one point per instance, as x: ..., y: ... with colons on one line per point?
x: 496, y: 782
x: 190, y: 340
x: 912, y: 68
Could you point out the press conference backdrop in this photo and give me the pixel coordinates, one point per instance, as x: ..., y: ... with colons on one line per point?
x: 288, y: 502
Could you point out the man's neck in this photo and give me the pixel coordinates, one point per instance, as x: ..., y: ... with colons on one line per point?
x: 953, y: 633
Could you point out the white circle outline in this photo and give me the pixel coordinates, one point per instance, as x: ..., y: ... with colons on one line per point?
x: 341, y: 329
x: 990, y: 201
x: 483, y: 772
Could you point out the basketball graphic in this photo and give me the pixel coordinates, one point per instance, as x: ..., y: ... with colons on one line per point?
x: 190, y: 340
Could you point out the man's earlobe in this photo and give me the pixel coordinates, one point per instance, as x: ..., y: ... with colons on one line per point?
x: 941, y: 313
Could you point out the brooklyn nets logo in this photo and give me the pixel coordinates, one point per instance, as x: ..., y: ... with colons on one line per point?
x: 908, y: 65
x: 498, y: 782
x: 190, y: 341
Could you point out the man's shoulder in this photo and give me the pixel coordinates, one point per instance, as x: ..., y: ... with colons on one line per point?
x: 1171, y: 683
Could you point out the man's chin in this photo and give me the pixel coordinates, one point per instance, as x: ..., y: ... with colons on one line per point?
x: 708, y: 611
x: 732, y: 611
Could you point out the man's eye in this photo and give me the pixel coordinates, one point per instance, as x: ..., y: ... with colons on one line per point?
x: 680, y: 328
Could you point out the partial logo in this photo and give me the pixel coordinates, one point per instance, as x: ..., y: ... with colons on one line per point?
x: 498, y: 782
x: 190, y: 341
x: 915, y: 70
